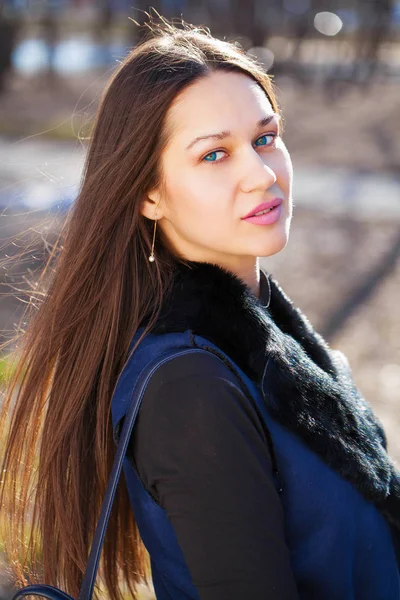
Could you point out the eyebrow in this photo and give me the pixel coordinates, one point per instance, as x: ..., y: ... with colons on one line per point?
x: 224, y: 134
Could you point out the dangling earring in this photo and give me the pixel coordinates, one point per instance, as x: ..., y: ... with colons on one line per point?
x: 151, y: 257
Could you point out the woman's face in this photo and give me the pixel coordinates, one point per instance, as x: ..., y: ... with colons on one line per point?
x: 209, y: 185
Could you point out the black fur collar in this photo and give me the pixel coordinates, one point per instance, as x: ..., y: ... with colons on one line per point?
x: 308, y: 386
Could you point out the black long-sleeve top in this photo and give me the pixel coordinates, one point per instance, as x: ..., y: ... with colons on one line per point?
x: 200, y: 449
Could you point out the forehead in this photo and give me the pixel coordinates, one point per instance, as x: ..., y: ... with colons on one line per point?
x: 215, y: 102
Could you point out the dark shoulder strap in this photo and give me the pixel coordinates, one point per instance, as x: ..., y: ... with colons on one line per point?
x: 137, y: 394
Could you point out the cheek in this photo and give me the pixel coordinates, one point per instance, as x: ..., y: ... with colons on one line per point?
x: 186, y: 203
x: 198, y: 193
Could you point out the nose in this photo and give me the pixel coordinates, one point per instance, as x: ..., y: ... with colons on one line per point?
x: 256, y: 174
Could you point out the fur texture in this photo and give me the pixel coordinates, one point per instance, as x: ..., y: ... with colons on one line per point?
x: 308, y: 386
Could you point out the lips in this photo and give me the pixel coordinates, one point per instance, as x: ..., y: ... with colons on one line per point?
x: 264, y: 206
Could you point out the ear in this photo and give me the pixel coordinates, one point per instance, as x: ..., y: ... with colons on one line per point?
x: 152, y: 203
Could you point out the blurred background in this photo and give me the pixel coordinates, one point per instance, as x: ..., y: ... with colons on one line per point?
x: 336, y: 67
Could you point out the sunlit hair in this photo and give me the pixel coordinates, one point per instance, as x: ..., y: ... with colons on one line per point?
x: 98, y: 286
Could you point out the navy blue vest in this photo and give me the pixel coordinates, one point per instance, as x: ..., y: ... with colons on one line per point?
x: 340, y: 545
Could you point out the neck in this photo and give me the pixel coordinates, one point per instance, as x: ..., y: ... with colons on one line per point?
x: 249, y: 274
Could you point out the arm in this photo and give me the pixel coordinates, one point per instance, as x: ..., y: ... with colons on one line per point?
x: 200, y: 450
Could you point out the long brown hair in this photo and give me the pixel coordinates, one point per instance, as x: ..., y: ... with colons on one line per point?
x: 99, y: 285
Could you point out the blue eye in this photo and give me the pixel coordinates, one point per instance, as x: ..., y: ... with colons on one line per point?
x: 265, y: 136
x: 212, y: 154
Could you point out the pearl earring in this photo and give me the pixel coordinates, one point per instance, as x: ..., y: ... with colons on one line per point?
x: 151, y: 257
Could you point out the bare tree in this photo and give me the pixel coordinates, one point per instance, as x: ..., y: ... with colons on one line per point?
x: 374, y: 29
x: 8, y: 34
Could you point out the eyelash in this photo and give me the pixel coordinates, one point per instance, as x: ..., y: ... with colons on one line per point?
x: 214, y: 162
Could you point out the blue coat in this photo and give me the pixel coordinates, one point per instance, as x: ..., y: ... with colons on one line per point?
x: 339, y: 494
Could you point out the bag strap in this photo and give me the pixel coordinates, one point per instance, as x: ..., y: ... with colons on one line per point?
x: 136, y: 397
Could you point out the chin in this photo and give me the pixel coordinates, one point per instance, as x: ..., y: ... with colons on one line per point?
x: 274, y: 243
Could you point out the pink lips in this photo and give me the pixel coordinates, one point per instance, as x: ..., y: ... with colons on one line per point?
x: 270, y: 217
x: 264, y: 206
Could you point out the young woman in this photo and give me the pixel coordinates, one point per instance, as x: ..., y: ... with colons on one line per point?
x: 255, y: 468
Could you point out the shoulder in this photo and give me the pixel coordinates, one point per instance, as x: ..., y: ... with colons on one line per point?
x: 196, y: 383
x: 197, y: 425
x: 196, y: 365
x: 195, y: 399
